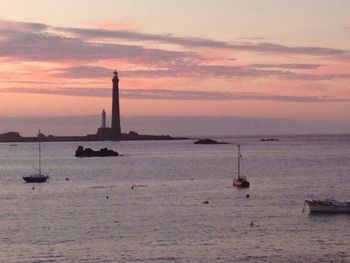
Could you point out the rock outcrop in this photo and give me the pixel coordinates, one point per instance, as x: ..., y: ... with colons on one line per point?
x: 87, y: 152
x: 208, y: 141
x: 269, y: 140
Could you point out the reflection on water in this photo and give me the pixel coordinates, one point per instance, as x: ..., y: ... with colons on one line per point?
x: 155, y: 211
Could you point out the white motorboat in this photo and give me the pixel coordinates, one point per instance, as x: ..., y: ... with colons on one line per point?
x: 328, y: 206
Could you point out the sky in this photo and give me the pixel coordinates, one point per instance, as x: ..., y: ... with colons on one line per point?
x: 252, y: 59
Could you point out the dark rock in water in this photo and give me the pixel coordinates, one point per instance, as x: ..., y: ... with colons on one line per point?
x: 208, y: 141
x: 269, y: 140
x: 87, y: 152
x: 138, y: 185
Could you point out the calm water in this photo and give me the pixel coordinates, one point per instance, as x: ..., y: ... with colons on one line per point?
x: 163, y: 219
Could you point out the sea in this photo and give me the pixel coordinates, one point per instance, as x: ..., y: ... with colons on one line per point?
x: 173, y: 201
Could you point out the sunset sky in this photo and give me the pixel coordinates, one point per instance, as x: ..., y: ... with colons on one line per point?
x: 244, y: 58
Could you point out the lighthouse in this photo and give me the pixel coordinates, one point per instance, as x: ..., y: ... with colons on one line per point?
x: 114, y: 133
x: 103, y: 119
x: 116, y: 130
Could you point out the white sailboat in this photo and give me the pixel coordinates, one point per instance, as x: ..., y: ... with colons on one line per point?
x: 240, y: 181
x: 38, y: 177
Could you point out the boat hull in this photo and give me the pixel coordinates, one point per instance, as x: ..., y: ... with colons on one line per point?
x: 35, y: 179
x: 328, y: 206
x: 241, y: 183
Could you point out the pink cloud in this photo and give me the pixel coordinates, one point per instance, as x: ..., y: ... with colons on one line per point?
x: 29, y: 41
x: 166, y: 94
x: 80, y: 45
x: 207, y: 71
x: 164, y: 60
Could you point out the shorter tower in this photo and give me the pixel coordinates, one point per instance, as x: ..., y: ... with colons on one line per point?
x: 103, y: 125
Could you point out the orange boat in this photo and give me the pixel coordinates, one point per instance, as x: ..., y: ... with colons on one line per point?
x: 241, y: 182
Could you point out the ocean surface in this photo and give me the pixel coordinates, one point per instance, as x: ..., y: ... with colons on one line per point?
x: 97, y: 216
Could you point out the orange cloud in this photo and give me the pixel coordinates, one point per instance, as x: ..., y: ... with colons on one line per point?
x: 111, y: 25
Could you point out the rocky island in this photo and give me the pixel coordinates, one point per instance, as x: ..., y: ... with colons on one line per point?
x: 269, y: 140
x: 208, y: 141
x: 87, y: 152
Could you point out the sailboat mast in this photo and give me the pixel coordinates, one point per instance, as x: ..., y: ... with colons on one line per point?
x: 39, y: 153
x: 239, y: 157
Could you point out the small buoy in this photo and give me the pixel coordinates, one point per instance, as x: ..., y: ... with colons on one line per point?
x: 206, y: 202
x: 107, y: 197
x: 67, y: 179
x: 132, y: 187
x: 247, y: 196
x: 33, y: 188
x: 251, y: 224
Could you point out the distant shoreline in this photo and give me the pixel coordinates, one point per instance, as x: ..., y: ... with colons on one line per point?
x: 16, y: 137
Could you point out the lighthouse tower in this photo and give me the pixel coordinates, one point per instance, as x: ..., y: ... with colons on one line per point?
x: 103, y: 119
x: 116, y: 130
